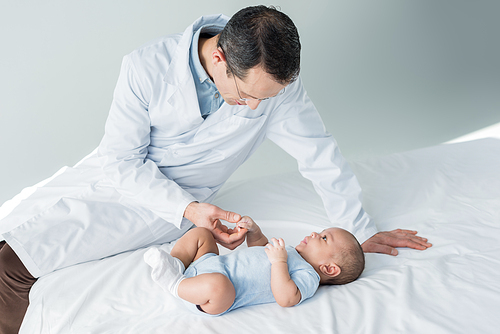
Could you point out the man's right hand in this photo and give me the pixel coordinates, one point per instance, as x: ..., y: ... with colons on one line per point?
x: 209, y: 216
x: 387, y: 241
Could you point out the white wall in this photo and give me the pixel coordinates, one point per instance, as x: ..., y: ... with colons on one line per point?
x: 387, y: 75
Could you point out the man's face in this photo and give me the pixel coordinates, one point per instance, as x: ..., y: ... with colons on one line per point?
x: 257, y: 85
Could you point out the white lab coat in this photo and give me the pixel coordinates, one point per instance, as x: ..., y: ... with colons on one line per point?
x: 158, y: 154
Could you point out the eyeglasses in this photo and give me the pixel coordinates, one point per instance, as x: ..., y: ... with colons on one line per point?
x: 244, y: 99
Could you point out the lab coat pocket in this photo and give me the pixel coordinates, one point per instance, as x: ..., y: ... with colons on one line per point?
x: 82, y: 228
x: 146, y: 215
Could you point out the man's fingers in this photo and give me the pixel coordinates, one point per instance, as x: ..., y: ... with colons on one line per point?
x: 421, y: 241
x: 385, y: 242
x: 229, y: 216
x: 410, y: 241
x: 234, y: 244
x: 396, y: 242
x: 406, y: 234
x: 401, y: 238
x: 243, y: 224
x: 417, y: 244
x: 230, y: 241
x: 228, y: 235
x: 404, y: 231
x: 237, y: 235
x: 371, y: 247
x: 221, y: 226
x: 220, y: 236
x: 245, y: 220
x: 233, y: 230
x: 413, y: 235
x: 231, y: 246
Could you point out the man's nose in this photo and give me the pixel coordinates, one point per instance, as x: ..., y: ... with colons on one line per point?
x: 314, y: 234
x: 253, y: 104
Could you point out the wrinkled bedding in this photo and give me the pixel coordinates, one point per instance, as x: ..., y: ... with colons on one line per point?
x: 448, y: 193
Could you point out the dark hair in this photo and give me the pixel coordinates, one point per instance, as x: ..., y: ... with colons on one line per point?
x: 351, y: 263
x: 262, y: 36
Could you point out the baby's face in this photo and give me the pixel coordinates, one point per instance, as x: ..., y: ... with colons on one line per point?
x: 319, y: 248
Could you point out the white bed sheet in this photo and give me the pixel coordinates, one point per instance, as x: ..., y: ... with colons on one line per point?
x: 449, y: 193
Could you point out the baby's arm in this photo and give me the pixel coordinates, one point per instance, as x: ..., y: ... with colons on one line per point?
x: 284, y: 289
x: 255, y: 237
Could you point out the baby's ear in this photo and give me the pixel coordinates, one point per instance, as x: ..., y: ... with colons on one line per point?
x: 329, y: 269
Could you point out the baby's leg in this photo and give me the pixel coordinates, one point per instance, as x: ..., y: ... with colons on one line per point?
x: 193, y: 245
x: 167, y: 271
x: 213, y: 292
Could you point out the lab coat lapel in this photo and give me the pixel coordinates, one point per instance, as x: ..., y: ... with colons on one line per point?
x: 184, y: 99
x: 179, y: 79
x: 181, y: 90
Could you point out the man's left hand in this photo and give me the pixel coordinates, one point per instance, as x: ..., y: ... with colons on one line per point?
x: 385, y: 242
x: 234, y: 238
x: 209, y: 216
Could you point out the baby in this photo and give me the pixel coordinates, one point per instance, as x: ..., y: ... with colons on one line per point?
x: 263, y: 273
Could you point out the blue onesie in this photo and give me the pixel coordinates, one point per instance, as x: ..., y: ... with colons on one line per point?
x: 249, y: 270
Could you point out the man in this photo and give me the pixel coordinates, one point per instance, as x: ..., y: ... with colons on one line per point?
x: 188, y: 109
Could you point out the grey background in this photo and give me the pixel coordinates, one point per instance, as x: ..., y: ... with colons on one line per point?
x: 387, y: 76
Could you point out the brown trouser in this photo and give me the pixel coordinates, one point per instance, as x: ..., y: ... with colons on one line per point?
x: 15, y: 285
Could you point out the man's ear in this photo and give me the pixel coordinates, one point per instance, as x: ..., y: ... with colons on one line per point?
x: 218, y: 56
x: 329, y: 269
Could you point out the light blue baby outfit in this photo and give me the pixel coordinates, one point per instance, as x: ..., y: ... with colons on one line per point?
x: 249, y: 270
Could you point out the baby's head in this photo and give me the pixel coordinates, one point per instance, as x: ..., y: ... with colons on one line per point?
x: 335, y: 254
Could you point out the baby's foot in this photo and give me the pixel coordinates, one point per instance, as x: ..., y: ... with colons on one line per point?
x: 155, y: 257
x: 167, y: 270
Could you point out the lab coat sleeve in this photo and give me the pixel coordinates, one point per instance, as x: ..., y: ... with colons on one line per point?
x: 124, y: 147
x: 296, y: 126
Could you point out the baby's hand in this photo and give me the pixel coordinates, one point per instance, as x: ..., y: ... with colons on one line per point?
x: 249, y: 224
x: 255, y: 237
x: 276, y: 251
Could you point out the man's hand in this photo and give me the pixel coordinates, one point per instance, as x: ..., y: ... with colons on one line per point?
x: 208, y: 216
x: 255, y: 237
x: 384, y: 242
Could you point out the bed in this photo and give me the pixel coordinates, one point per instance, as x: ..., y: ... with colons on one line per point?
x: 449, y: 193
